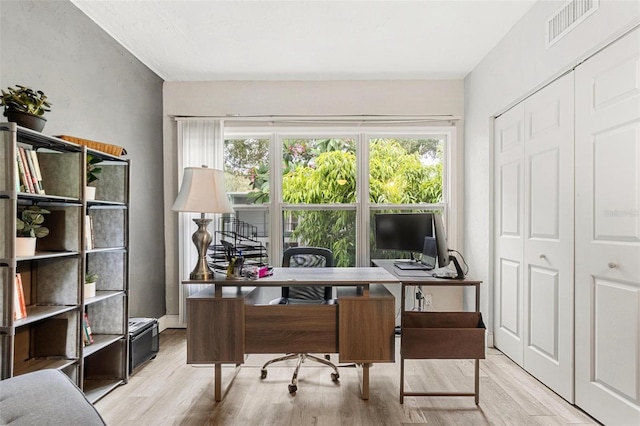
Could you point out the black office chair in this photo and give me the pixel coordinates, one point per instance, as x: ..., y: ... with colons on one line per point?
x: 304, y: 257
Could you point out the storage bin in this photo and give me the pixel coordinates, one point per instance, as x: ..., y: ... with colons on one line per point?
x: 442, y: 335
x: 144, y: 341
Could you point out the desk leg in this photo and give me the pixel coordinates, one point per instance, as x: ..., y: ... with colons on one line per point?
x: 363, y: 375
x: 217, y: 382
x: 365, y: 380
x: 401, y: 379
x: 402, y: 307
x: 477, y: 382
x: 477, y: 367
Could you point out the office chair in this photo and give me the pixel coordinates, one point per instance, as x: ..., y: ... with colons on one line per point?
x: 304, y: 257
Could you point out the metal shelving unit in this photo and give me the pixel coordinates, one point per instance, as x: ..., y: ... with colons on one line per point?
x: 51, y: 335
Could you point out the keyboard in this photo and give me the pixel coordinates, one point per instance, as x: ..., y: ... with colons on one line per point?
x: 412, y: 266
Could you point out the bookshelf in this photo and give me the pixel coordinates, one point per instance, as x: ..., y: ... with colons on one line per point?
x: 84, y: 235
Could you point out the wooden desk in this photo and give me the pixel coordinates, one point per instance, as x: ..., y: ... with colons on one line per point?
x: 414, y: 343
x: 423, y: 278
x: 225, y: 323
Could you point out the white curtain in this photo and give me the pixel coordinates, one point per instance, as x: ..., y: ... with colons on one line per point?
x: 200, y: 143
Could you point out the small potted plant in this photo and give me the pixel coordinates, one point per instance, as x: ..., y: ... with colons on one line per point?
x: 25, y: 106
x: 28, y: 228
x: 92, y: 175
x: 90, y: 280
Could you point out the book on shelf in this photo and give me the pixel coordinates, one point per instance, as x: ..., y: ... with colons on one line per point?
x: 19, y: 306
x: 36, y: 170
x: 88, y: 233
x: 32, y: 170
x: 86, y: 327
x: 27, y: 172
x: 17, y: 177
x: 24, y: 186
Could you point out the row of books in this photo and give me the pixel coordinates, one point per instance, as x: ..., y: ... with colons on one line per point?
x: 28, y: 175
x: 19, y: 306
x: 20, y: 310
x: 87, y: 336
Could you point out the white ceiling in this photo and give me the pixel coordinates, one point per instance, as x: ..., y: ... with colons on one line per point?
x: 182, y: 40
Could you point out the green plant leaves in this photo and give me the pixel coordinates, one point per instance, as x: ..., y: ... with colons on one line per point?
x: 92, y: 170
x: 29, y: 224
x: 25, y: 99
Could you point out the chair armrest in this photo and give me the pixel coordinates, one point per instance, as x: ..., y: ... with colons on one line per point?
x: 45, y: 397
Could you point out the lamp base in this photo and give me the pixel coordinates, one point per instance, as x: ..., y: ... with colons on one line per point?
x: 201, y: 238
x: 201, y: 276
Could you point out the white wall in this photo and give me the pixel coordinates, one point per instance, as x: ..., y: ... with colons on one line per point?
x: 518, y: 66
x: 311, y: 98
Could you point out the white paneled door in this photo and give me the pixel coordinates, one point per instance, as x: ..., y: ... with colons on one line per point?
x: 534, y: 235
x: 608, y: 233
x: 548, y: 230
x: 509, y: 207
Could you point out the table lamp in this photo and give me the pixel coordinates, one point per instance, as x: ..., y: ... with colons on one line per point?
x: 202, y: 191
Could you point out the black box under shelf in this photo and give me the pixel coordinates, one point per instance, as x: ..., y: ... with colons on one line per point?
x: 144, y: 341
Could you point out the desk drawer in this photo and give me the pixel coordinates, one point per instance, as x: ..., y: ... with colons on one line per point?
x: 442, y: 335
x: 367, y: 328
x: 276, y: 329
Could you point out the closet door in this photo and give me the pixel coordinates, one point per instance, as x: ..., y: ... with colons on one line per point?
x: 608, y: 233
x: 548, y: 236
x: 534, y: 195
x: 509, y: 220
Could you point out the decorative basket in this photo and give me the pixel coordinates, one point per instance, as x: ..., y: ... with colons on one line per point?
x: 98, y: 146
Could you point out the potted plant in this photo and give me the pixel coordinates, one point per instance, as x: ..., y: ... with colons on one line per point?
x: 28, y: 228
x: 92, y: 175
x: 25, y: 106
x: 90, y: 280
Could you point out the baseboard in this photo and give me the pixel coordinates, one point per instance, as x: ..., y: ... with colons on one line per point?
x: 489, y: 340
x: 169, y: 321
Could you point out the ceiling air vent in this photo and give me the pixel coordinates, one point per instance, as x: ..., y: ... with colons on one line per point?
x: 567, y: 17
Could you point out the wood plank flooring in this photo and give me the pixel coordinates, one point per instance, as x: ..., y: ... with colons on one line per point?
x: 167, y: 391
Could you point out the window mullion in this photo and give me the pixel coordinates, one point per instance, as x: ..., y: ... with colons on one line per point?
x: 275, y: 185
x: 362, y: 197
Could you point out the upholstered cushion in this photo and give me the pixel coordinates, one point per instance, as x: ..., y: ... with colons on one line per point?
x: 45, y: 397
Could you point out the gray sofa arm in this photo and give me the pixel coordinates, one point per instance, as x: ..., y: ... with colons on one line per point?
x: 45, y: 397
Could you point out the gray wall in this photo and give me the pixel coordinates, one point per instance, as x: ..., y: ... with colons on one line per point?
x: 101, y: 92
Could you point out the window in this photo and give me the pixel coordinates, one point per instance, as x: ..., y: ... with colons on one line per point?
x: 405, y: 171
x: 325, y: 186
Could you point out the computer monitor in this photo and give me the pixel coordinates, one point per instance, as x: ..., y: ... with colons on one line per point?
x: 441, y: 241
x: 429, y: 252
x: 443, y: 250
x: 403, y: 231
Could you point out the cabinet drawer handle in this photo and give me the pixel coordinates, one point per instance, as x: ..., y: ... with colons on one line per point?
x: 543, y: 256
x: 612, y: 264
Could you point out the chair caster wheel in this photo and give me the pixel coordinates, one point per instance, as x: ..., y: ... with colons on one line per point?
x: 327, y: 357
x: 335, y: 377
x: 292, y: 389
x: 263, y: 373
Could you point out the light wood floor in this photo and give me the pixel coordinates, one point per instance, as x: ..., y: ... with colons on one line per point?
x: 167, y: 391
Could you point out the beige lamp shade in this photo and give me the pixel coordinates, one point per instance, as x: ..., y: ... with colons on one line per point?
x: 202, y: 191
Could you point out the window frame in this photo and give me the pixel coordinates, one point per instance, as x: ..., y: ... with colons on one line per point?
x: 363, y: 207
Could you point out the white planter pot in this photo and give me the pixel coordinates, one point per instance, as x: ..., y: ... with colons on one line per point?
x: 25, y: 246
x: 89, y: 193
x: 89, y: 290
